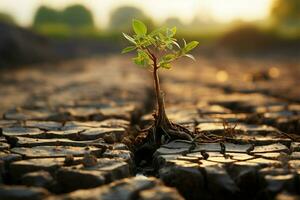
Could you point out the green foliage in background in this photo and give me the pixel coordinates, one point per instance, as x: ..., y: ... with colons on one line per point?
x: 285, y: 15
x: 6, y: 18
x: 77, y: 16
x: 158, y: 48
x: 46, y: 15
x: 73, y: 21
x: 120, y: 18
x: 76, y: 21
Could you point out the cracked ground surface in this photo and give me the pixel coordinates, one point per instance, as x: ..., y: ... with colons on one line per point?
x: 63, y: 128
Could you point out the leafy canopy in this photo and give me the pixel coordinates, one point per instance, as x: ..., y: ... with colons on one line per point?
x: 158, y: 48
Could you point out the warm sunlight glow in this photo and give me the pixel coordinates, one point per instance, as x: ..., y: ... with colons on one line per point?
x: 239, y: 9
x: 220, y: 10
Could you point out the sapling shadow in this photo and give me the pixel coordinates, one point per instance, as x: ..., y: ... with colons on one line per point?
x: 157, y: 50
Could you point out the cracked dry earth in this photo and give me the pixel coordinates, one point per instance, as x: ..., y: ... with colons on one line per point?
x: 63, y: 128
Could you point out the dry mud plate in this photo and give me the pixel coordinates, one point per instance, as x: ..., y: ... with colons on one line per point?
x: 65, y: 129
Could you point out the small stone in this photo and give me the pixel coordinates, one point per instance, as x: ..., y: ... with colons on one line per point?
x: 109, y: 138
x: 69, y: 160
x: 89, y: 160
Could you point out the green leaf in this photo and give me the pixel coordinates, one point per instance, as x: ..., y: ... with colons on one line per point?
x: 128, y: 49
x: 129, y: 38
x: 184, y: 42
x: 165, y: 65
x: 157, y: 31
x: 190, y: 46
x: 190, y: 56
x: 174, y: 30
x: 161, y: 37
x: 141, y: 61
x: 176, y: 44
x: 170, y: 46
x: 137, y: 60
x: 142, y: 54
x: 139, y: 27
x: 142, y: 58
x: 168, y: 57
x: 171, y: 32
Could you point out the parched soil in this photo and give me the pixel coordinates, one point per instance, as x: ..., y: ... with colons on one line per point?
x: 66, y: 129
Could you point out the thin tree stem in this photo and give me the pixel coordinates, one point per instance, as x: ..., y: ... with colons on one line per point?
x: 161, y: 119
x: 157, y: 86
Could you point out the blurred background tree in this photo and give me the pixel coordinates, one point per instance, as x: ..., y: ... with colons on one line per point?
x: 46, y: 15
x: 120, y: 18
x: 77, y: 16
x: 74, y: 21
x: 285, y: 16
x: 4, y: 17
x: 75, y: 30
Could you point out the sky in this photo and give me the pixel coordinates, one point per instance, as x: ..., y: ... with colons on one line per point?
x: 220, y: 10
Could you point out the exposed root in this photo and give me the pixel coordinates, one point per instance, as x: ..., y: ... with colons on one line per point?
x: 293, y: 137
x: 166, y: 130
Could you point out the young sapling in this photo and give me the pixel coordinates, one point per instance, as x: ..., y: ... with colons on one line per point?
x: 157, y: 50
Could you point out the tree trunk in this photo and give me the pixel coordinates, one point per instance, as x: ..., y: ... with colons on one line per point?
x: 162, y: 119
x: 162, y: 124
